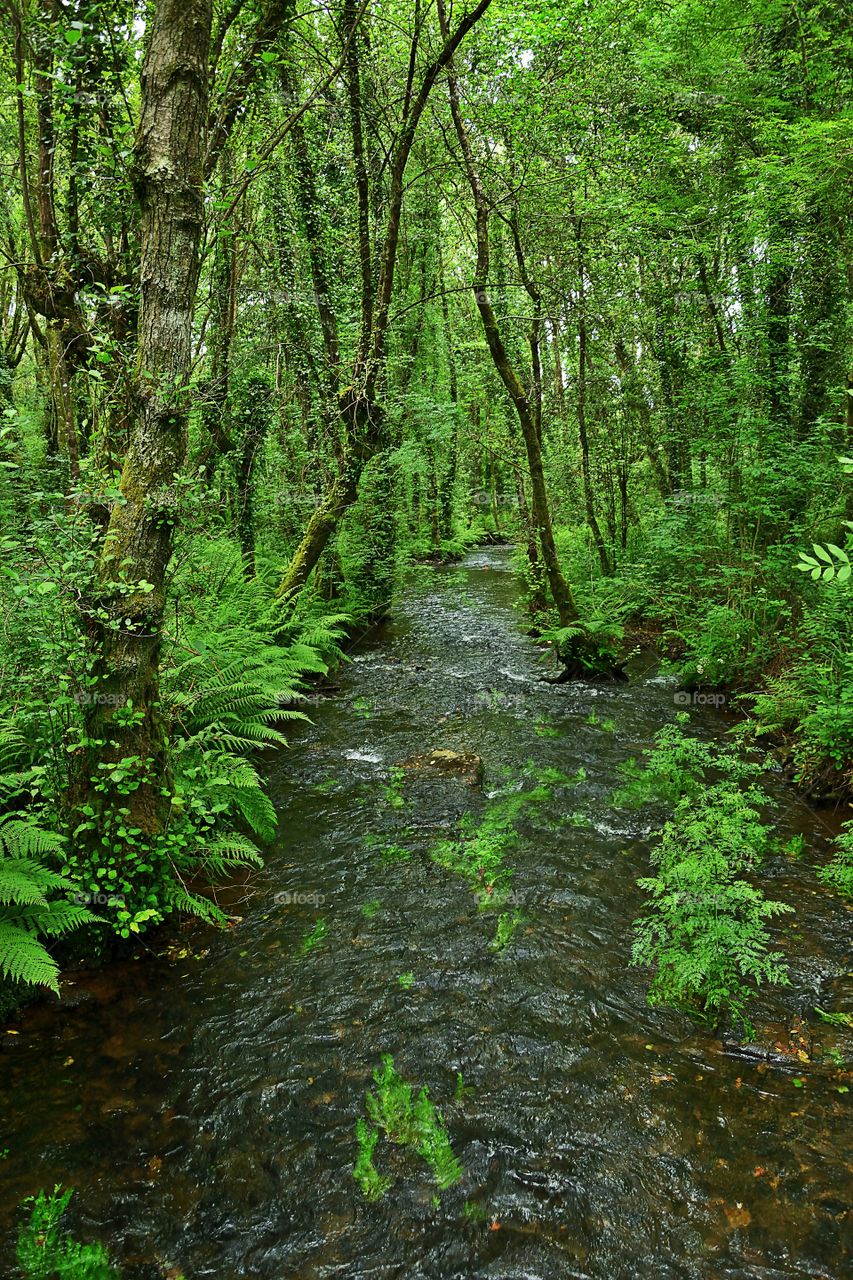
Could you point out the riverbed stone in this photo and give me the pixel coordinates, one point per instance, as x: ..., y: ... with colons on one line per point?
x: 465, y: 765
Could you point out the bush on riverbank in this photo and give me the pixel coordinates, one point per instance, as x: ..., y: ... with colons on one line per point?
x: 704, y: 932
x: 234, y: 671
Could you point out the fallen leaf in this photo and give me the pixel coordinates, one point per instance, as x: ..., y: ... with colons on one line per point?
x: 737, y: 1216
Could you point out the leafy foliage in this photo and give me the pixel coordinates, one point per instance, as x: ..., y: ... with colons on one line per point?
x: 478, y: 855
x: 46, y: 1252
x: 838, y: 873
x: 705, y: 932
x: 408, y: 1119
x: 595, y: 642
x: 679, y: 765
x: 373, y: 1187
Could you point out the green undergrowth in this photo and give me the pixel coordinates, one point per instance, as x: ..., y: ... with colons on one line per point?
x: 508, y: 923
x: 479, y: 853
x: 594, y: 643
x: 388, y: 850
x: 704, y: 932
x: 679, y: 765
x: 408, y: 1119
x: 234, y: 671
x: 372, y: 1185
x: 393, y: 791
x: 34, y: 904
x: 838, y: 874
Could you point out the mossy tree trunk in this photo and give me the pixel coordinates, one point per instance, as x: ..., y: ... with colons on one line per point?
x: 125, y: 613
x: 360, y: 409
x: 527, y: 414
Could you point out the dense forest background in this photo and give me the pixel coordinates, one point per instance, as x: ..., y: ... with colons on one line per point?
x: 292, y: 295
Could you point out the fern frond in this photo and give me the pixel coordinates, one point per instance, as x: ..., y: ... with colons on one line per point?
x: 24, y: 959
x: 181, y: 900
x: 23, y: 838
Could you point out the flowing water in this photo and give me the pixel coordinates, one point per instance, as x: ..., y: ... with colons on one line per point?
x: 204, y: 1102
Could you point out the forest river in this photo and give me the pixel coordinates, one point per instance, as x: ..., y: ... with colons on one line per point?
x: 203, y: 1102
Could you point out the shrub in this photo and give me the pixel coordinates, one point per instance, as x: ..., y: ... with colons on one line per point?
x: 704, y: 931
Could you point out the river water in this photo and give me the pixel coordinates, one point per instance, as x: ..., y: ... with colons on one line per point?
x: 203, y: 1102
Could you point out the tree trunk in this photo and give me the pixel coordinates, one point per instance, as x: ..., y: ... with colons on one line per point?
x: 320, y: 528
x: 583, y: 436
x: 540, y: 509
x: 360, y: 408
x: 447, y: 484
x: 125, y: 615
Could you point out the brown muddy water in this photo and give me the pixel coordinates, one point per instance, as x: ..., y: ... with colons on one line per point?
x: 204, y: 1102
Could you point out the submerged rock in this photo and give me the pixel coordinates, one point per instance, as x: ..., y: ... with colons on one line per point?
x: 455, y: 764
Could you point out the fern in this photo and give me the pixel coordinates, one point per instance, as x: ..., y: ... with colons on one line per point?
x: 594, y: 642
x: 234, y: 673
x: 838, y: 874
x: 181, y: 900
x: 27, y: 912
x: 46, y: 1252
x: 678, y: 765
x: 15, y: 762
x: 408, y: 1119
x: 704, y: 931
x: 373, y: 1186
